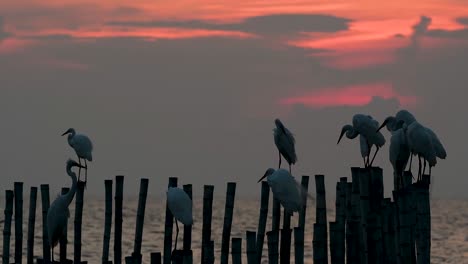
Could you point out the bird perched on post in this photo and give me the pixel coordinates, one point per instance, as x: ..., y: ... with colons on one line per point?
x: 399, y: 155
x: 180, y: 205
x: 83, y: 148
x: 284, y: 141
x: 365, y: 126
x: 58, y: 212
x: 285, y: 189
x: 405, y: 117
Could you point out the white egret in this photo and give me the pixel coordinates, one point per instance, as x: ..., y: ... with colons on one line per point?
x: 285, y: 189
x: 83, y: 148
x: 399, y: 155
x: 365, y: 126
x: 180, y: 205
x: 284, y: 141
x: 420, y: 143
x: 58, y: 212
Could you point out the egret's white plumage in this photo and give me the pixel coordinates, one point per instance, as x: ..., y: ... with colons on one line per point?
x: 399, y: 155
x: 82, y: 145
x: 180, y: 205
x: 285, y: 188
x: 285, y: 142
x: 420, y: 143
x: 58, y: 212
x: 365, y: 126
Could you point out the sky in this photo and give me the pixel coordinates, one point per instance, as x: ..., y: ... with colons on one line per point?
x: 190, y: 89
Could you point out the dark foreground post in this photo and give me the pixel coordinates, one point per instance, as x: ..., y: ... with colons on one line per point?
x: 107, y: 221
x: 333, y: 243
x: 136, y: 255
x: 299, y: 234
x: 236, y: 250
x: 45, y: 208
x: 78, y: 220
x: 168, y: 226
x: 18, y: 222
x: 9, y: 196
x: 156, y: 258
x: 285, y: 244
x: 364, y: 183
x: 340, y: 219
x: 31, y: 224
x: 298, y: 245
x: 188, y: 228
x: 207, y: 214
x: 273, y: 237
x: 119, y: 184
x: 262, y: 219
x: 424, y: 221
x: 275, y: 223
x: 64, y: 239
x: 251, y: 247
x: 209, y: 253
x: 320, y: 241
x: 228, y: 211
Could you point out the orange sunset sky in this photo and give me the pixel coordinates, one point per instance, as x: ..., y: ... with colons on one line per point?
x: 173, y: 72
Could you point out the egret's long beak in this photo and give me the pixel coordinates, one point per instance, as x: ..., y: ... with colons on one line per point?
x: 383, y: 124
x: 66, y: 132
x: 341, y: 136
x: 263, y: 177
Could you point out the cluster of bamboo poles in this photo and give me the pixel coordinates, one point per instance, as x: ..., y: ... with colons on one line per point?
x: 367, y: 228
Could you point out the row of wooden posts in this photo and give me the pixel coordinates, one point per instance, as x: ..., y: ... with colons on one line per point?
x: 367, y: 227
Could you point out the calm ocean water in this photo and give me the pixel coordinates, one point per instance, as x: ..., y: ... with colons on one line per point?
x: 449, y: 228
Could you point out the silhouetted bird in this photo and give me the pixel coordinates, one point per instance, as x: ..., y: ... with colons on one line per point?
x: 284, y: 141
x: 83, y: 148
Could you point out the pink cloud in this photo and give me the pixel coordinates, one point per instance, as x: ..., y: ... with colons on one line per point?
x: 356, y: 95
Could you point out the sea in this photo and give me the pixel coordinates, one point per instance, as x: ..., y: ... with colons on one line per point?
x: 449, y: 228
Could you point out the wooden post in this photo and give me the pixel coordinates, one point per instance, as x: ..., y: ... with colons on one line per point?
x: 9, y: 196
x: 340, y: 220
x: 79, y: 200
x: 18, y: 187
x: 155, y: 258
x: 188, y: 228
x: 333, y: 243
x: 31, y: 224
x: 402, y: 196
x: 265, y: 193
x: 228, y: 211
x: 251, y: 247
x: 388, y: 232
x: 45, y: 208
x: 275, y: 222
x: 273, y: 237
x: 168, y: 226
x: 63, y: 239
x: 236, y: 250
x: 207, y: 214
x: 320, y: 240
x: 119, y: 184
x: 107, y: 221
x: 285, y: 244
x: 136, y: 255
x: 209, y: 252
x: 354, y: 231
x: 364, y: 183
x: 298, y: 245
x: 424, y: 221
x: 375, y: 248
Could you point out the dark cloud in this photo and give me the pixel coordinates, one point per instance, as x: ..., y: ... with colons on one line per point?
x: 440, y: 33
x: 3, y: 33
x: 463, y: 20
x: 271, y: 24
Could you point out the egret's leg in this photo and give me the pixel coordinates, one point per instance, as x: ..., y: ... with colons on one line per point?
x: 86, y: 171
x: 424, y: 170
x: 365, y: 163
x: 419, y: 170
x: 52, y: 255
x: 375, y: 154
x: 279, y: 155
x: 177, y: 234
x: 289, y: 168
x: 410, y: 161
x: 79, y: 169
x: 430, y: 170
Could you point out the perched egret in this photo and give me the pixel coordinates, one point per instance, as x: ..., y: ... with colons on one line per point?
x: 180, y: 205
x: 405, y: 117
x: 365, y: 126
x: 83, y: 148
x: 399, y: 155
x: 420, y: 143
x: 285, y: 189
x: 284, y: 141
x: 58, y: 210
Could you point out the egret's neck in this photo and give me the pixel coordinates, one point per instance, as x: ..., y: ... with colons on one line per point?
x: 71, y: 193
x: 351, y: 133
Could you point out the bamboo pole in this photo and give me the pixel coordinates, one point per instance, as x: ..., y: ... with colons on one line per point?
x: 107, y: 221
x: 388, y: 231
x: 31, y: 224
x: 187, y: 256
x: 136, y: 255
x: 265, y: 193
x: 78, y: 220
x: 9, y: 197
x: 208, y: 258
x: 155, y: 258
x: 364, y: 184
x: 272, y: 238
x: 276, y: 214
x: 340, y: 219
x: 354, y: 249
x: 119, y: 184
x: 375, y: 247
x: 188, y: 228
x: 45, y: 207
x: 333, y: 242
x: 251, y: 247
x: 228, y: 212
x: 320, y: 240
x: 18, y: 187
x: 298, y: 245
x: 349, y: 236
x: 404, y: 231
x: 207, y: 214
x: 64, y: 239
x: 285, y: 243
x: 424, y: 221
x: 168, y: 226
x: 236, y: 250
